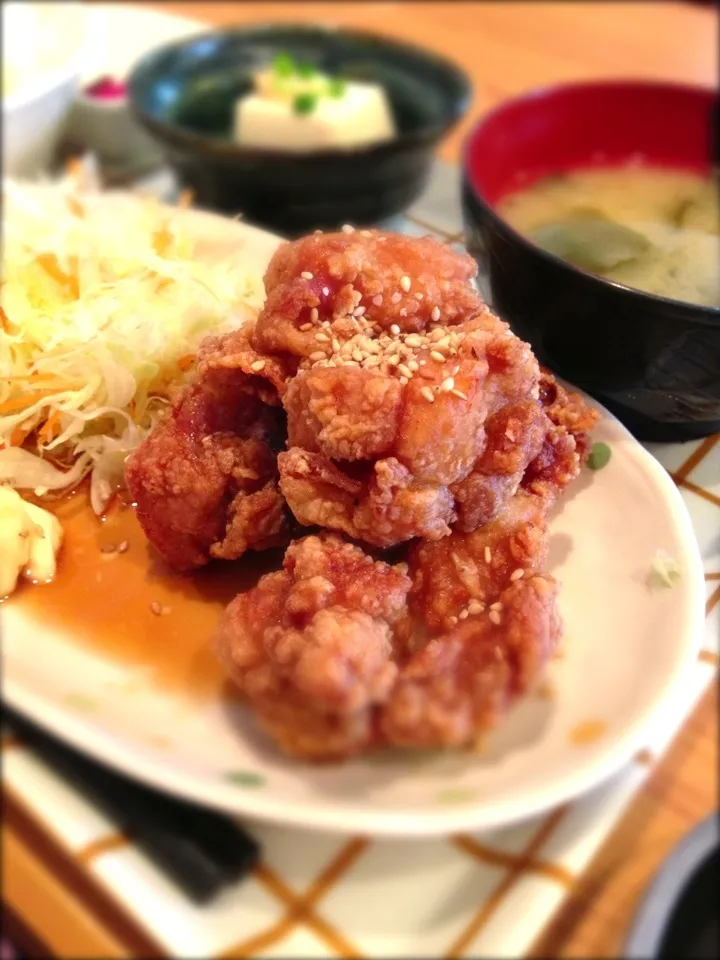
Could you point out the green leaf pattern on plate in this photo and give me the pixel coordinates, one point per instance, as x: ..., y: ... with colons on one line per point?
x: 457, y: 795
x: 80, y: 701
x: 244, y: 778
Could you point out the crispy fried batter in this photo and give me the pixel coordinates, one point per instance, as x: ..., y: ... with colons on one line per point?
x: 205, y: 479
x: 459, y: 685
x: 568, y: 410
x: 386, y: 506
x: 514, y: 438
x: 567, y: 441
x: 266, y: 376
x: 450, y: 573
x: 398, y: 508
x: 397, y: 366
x: 555, y: 466
x: 439, y: 441
x: 311, y: 646
x: 347, y: 414
x: 336, y: 659
x: 336, y: 273
x: 438, y: 461
x: 410, y: 413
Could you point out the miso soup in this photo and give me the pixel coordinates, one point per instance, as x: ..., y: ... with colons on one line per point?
x: 652, y: 229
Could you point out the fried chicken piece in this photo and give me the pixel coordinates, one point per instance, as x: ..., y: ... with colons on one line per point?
x: 478, y: 566
x: 386, y: 506
x: 398, y: 365
x: 266, y: 376
x: 429, y: 435
x: 514, y: 438
x: 398, y: 508
x: 556, y: 465
x: 513, y: 371
x: 319, y: 494
x: 427, y: 432
x: 330, y: 277
x: 439, y: 441
x: 568, y: 410
x: 205, y: 479
x: 345, y: 413
x: 336, y: 657
x: 482, y: 623
x: 311, y: 646
x: 567, y: 440
x: 459, y: 685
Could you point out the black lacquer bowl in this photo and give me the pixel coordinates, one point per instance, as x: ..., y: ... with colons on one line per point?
x: 653, y: 361
x: 184, y: 94
x: 679, y: 915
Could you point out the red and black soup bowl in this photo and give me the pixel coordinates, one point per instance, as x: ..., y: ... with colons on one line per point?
x: 653, y: 361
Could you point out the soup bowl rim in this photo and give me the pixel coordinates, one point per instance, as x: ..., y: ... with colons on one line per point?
x: 702, y: 313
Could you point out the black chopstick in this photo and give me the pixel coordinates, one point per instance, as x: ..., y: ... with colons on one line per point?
x: 202, y: 852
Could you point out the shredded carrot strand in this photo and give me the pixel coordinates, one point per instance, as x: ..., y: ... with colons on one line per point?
x: 162, y: 238
x: 18, y: 403
x: 75, y: 207
x: 5, y: 324
x: 19, y: 378
x: 51, y: 428
x: 186, y: 198
x: 51, y: 265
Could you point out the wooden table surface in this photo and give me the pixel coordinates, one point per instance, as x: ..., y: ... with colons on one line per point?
x: 506, y: 48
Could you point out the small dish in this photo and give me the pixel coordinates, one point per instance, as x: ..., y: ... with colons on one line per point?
x: 653, y: 361
x: 184, y: 94
x: 197, y: 741
x: 43, y: 55
x: 678, y: 917
x: 107, y: 128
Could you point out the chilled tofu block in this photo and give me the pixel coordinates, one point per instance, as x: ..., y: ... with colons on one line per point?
x: 313, y: 121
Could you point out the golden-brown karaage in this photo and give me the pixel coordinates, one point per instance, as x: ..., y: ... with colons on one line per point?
x: 339, y: 653
x: 379, y: 399
x: 205, y: 479
x: 311, y: 646
x: 459, y: 685
x: 400, y: 368
x: 387, y: 278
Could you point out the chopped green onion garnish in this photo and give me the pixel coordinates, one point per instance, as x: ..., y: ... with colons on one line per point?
x: 284, y: 65
x: 600, y: 454
x: 336, y: 87
x: 305, y: 103
x: 305, y: 70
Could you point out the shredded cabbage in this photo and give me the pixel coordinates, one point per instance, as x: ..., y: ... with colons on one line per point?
x: 101, y: 315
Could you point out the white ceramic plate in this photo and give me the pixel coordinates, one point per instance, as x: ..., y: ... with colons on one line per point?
x: 626, y: 650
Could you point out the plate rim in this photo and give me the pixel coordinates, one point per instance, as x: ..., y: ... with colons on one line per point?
x: 106, y: 748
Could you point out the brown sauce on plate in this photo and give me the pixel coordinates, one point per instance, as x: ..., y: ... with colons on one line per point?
x: 109, y: 600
